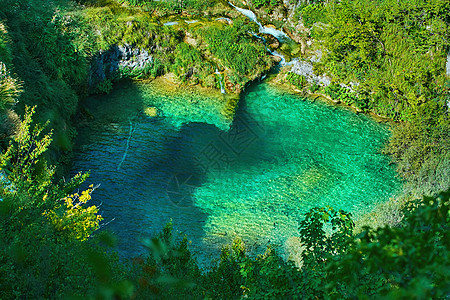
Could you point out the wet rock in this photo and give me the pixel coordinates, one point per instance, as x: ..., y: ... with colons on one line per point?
x: 271, y: 41
x: 277, y: 59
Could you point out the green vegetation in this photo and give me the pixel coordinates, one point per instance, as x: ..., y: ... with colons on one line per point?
x: 237, y: 50
x: 342, y: 94
x: 298, y: 81
x: 49, y: 243
x: 162, y: 8
x: 395, y: 52
x: 394, y: 49
x: 40, y: 57
x: 312, y: 13
x: 42, y: 226
x: 44, y: 233
x: 264, y: 3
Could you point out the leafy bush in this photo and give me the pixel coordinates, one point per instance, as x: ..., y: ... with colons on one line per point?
x: 236, y: 49
x: 314, y: 87
x: 41, y: 225
x: 399, y: 66
x: 313, y: 13
x: 264, y: 3
x: 297, y: 80
x: 342, y: 94
x: 104, y: 87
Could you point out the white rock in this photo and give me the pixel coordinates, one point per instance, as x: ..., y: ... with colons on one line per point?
x: 306, y: 69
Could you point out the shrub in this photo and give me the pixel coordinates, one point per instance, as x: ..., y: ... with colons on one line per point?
x: 297, y: 80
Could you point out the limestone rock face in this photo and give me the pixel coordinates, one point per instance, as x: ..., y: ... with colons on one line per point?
x: 106, y: 65
x: 306, y: 69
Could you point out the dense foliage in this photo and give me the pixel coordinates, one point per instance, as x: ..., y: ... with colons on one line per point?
x: 47, y: 231
x: 393, y: 52
x: 236, y: 49
x: 393, y: 55
x: 194, y: 7
x: 394, y: 49
x: 41, y: 252
x: 47, y: 50
x: 298, y: 81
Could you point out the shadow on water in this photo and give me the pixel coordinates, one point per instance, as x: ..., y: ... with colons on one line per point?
x: 182, y: 165
x: 149, y: 171
x: 136, y: 159
x: 279, y: 157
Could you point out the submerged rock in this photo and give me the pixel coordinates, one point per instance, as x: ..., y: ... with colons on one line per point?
x: 151, y: 111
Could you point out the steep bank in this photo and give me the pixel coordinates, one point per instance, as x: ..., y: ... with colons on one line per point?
x: 59, y: 52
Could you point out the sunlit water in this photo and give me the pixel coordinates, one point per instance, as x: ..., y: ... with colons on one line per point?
x: 280, y: 157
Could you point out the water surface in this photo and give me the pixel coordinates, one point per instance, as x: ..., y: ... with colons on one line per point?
x: 218, y: 178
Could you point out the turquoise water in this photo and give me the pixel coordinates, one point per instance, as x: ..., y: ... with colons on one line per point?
x: 218, y: 178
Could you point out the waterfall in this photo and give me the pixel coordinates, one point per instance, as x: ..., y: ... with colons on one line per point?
x: 246, y: 12
x: 278, y: 34
x: 275, y: 53
x: 223, y: 18
x: 222, y: 89
x: 170, y: 23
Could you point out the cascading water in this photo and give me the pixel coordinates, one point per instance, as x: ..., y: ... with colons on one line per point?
x: 278, y: 34
x: 222, y: 89
x: 223, y: 18
x: 176, y: 23
x: 275, y: 53
x: 170, y: 23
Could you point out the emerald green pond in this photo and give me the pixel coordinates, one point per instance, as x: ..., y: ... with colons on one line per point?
x: 219, y: 178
